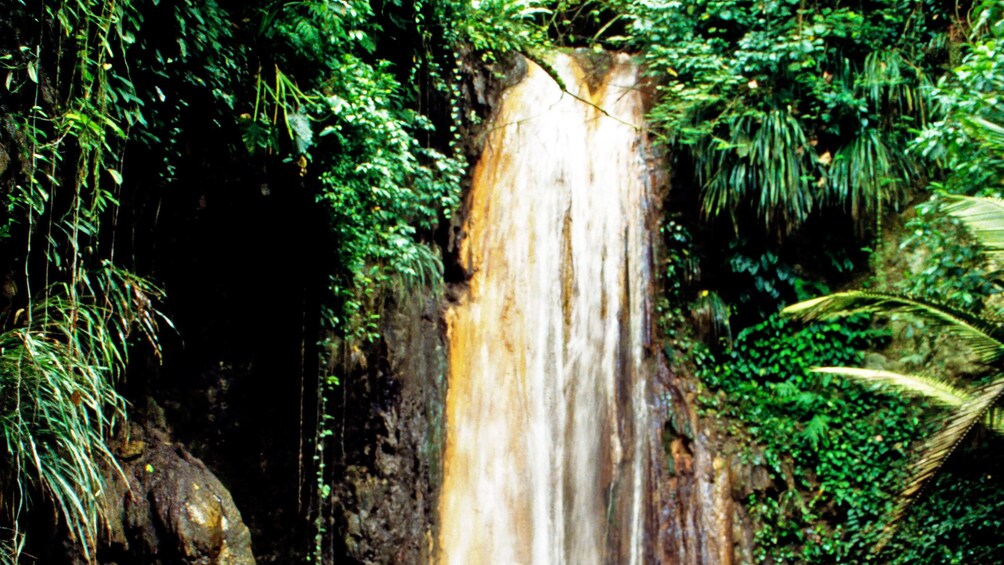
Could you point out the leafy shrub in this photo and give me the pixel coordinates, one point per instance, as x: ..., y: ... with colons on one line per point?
x: 834, y: 449
x: 963, y: 139
x: 959, y: 520
x: 788, y: 106
x: 954, y: 270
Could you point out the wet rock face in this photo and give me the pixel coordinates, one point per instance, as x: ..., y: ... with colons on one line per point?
x: 383, y: 501
x: 702, y: 485
x: 170, y: 508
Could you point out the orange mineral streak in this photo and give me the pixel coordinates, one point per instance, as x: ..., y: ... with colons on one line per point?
x: 546, y: 452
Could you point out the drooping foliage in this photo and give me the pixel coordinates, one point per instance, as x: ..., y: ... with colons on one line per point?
x: 59, y: 403
x: 774, y: 111
x: 69, y: 310
x: 311, y: 88
x: 968, y: 140
x: 113, y: 110
x: 788, y: 107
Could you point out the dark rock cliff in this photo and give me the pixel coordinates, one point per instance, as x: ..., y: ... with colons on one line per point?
x: 384, y: 499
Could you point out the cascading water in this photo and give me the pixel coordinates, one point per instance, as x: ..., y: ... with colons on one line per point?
x: 547, y: 457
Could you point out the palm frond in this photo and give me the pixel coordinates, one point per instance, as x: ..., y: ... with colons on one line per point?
x: 983, y: 336
x: 939, y: 446
x: 937, y: 390
x: 930, y: 388
x: 985, y: 219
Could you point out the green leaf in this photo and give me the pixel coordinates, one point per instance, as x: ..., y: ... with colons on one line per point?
x: 938, y: 390
x: 984, y: 336
x: 984, y: 217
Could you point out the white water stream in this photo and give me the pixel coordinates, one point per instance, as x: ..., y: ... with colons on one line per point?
x: 546, y: 449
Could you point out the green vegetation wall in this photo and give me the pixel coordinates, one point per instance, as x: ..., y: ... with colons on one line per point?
x: 204, y: 145
x: 801, y: 131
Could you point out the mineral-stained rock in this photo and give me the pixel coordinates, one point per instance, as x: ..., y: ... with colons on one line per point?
x: 702, y: 518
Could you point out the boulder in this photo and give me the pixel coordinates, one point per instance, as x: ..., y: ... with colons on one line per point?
x: 167, y: 507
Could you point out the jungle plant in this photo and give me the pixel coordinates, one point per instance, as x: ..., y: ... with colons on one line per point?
x: 65, y: 337
x: 59, y: 365
x: 785, y: 107
x: 960, y: 520
x: 834, y: 449
x: 969, y: 141
x: 353, y: 115
x: 955, y: 271
x: 963, y: 140
x: 766, y: 160
x: 981, y: 333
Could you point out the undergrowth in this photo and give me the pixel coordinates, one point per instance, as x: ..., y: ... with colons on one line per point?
x: 834, y: 449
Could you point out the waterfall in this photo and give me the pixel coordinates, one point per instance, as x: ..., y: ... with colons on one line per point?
x: 547, y: 458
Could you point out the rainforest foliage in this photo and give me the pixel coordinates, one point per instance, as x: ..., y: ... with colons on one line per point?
x: 843, y: 446
x: 789, y: 107
x: 788, y: 124
x: 905, y: 106
x: 111, y: 109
